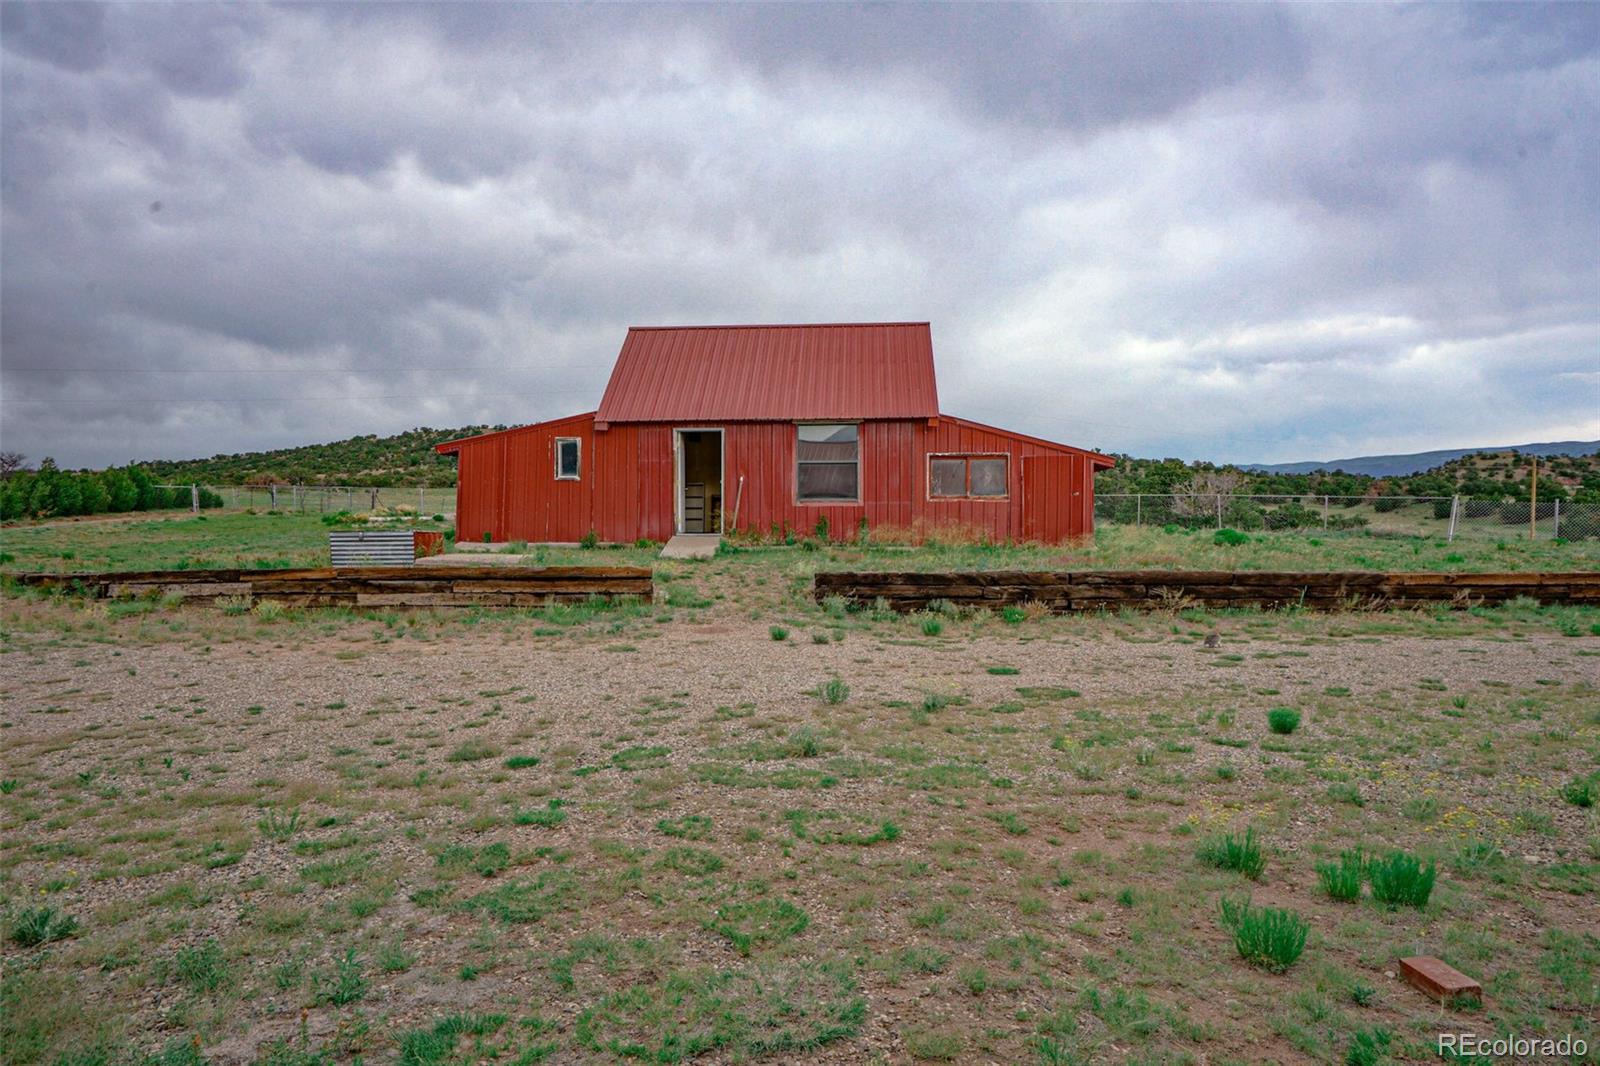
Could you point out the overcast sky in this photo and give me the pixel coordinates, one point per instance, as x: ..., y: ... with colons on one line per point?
x: 1230, y: 232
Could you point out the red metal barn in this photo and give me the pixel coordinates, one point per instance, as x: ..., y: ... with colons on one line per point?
x: 715, y: 428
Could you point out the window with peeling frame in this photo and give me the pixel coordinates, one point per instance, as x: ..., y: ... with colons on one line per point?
x: 567, y: 458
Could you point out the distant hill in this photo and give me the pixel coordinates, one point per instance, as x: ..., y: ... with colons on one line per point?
x: 403, y: 459
x: 1570, y: 469
x: 1418, y: 462
x: 1484, y: 475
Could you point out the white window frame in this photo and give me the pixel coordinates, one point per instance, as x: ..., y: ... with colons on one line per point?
x: 967, y: 483
x: 832, y: 501
x: 578, y: 444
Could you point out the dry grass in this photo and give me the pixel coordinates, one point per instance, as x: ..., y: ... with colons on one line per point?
x: 589, y: 834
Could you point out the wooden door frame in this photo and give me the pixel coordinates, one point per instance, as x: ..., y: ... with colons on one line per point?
x: 677, y: 473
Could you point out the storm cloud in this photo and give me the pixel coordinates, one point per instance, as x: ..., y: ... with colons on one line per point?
x: 1219, y: 231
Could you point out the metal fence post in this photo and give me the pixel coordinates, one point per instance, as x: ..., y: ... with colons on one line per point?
x: 194, y: 499
x: 1455, y: 504
x: 1138, y: 510
x: 1324, y: 514
x: 1219, y: 510
x: 1555, y: 534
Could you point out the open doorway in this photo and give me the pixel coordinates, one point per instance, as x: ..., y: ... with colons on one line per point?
x: 699, y: 480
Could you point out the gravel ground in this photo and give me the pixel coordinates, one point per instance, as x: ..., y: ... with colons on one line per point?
x: 1101, y: 740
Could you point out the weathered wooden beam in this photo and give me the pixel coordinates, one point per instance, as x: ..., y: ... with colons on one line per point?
x: 1092, y: 589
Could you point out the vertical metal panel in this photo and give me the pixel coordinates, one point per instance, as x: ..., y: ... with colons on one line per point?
x: 507, y: 484
x: 1057, y: 497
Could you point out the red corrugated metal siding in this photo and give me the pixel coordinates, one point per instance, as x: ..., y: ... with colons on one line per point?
x: 782, y: 373
x: 1058, y: 497
x: 507, y: 485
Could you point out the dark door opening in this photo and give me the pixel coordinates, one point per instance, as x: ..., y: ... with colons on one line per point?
x: 699, y: 480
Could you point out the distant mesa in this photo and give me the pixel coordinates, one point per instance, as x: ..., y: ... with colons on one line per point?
x: 1418, y: 462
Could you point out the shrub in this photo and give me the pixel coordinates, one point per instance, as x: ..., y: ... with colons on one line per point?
x: 1265, y: 936
x: 1230, y: 538
x: 803, y: 744
x: 778, y: 633
x: 1283, y: 720
x: 1582, y: 791
x: 279, y: 825
x: 1342, y: 880
x: 834, y: 690
x: 1229, y: 852
x: 590, y: 541
x: 472, y: 751
x: 40, y: 925
x: 932, y: 626
x: 1401, y: 879
x: 346, y: 984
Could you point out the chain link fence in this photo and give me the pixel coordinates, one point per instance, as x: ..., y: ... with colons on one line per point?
x: 1447, y: 517
x: 329, y: 499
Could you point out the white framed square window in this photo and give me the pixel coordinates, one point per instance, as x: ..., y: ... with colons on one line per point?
x: 568, y: 458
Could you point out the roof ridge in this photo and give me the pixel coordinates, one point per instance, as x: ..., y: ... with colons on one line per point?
x: 785, y: 325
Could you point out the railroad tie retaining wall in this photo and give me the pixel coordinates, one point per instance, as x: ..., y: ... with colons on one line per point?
x: 366, y: 586
x: 1095, y: 589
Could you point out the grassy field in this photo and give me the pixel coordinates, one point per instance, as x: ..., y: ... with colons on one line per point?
x: 735, y: 825
x: 237, y: 539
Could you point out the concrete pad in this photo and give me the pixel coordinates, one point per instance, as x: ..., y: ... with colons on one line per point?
x: 692, y: 546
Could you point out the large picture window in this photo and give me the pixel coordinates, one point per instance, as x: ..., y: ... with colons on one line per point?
x: 828, y: 463
x: 567, y: 458
x: 956, y: 477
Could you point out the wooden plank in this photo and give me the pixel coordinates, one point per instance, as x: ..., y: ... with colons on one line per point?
x: 915, y: 590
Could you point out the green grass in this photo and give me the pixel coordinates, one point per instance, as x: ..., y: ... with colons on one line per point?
x: 551, y: 815
x: 1401, y: 879
x: 1342, y: 880
x: 758, y: 922
x: 782, y: 1010
x: 1270, y: 937
x: 1230, y: 852
x: 237, y: 539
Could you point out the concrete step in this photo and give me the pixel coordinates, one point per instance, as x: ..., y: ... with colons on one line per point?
x: 692, y: 546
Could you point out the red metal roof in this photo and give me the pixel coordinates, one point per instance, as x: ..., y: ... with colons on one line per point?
x: 772, y: 373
